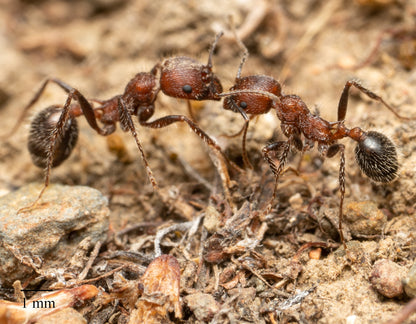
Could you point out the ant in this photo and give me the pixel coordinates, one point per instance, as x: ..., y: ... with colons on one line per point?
x: 375, y: 153
x: 54, y: 130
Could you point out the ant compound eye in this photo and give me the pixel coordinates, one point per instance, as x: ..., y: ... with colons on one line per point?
x: 377, y: 157
x: 243, y: 104
x: 187, y: 88
x: 41, y: 130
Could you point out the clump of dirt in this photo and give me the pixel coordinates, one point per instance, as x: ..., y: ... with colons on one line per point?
x: 245, y: 264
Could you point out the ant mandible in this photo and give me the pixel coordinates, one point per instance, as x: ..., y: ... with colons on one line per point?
x: 256, y: 94
x: 54, y: 130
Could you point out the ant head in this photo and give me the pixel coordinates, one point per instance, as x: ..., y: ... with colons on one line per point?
x: 41, y: 130
x: 253, y: 103
x: 183, y: 77
x: 377, y: 157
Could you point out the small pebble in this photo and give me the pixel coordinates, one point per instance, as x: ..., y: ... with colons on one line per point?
x: 386, y: 278
x: 315, y: 254
x: 296, y: 201
x: 410, y: 282
x: 347, y: 62
x: 204, y: 306
x: 364, y: 218
x: 49, y: 234
x: 212, y: 219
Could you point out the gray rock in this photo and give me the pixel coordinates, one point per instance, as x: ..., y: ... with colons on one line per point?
x: 47, y: 236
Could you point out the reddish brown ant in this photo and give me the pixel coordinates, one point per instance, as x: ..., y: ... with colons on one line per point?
x: 256, y: 94
x: 54, y: 130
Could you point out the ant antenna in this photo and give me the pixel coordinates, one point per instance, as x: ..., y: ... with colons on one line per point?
x: 240, y: 44
x: 260, y: 92
x: 214, y: 45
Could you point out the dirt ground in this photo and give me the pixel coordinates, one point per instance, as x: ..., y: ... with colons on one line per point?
x: 312, y: 48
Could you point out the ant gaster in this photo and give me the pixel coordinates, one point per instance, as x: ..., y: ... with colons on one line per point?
x: 256, y: 94
x: 54, y: 130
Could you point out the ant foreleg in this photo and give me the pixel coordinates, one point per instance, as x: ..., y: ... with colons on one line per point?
x: 167, y: 120
x: 127, y: 124
x: 240, y: 131
x: 245, y: 156
x: 343, y: 101
x: 191, y: 110
x: 244, y: 131
x: 284, y: 148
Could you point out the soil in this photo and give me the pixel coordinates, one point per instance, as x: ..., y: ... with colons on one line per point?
x: 312, y: 48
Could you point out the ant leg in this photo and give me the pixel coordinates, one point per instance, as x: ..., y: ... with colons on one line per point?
x: 301, y: 156
x: 284, y: 147
x: 342, y: 191
x: 241, y: 130
x: 85, y: 106
x: 99, y: 101
x: 236, y: 134
x: 246, y: 161
x: 127, y: 123
x: 343, y: 101
x: 167, y: 120
x: 35, y: 98
x: 190, y: 110
x: 331, y: 152
x: 73, y: 93
x: 244, y: 131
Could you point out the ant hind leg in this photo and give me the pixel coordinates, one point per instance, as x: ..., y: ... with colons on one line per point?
x: 343, y: 101
x: 26, y: 109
